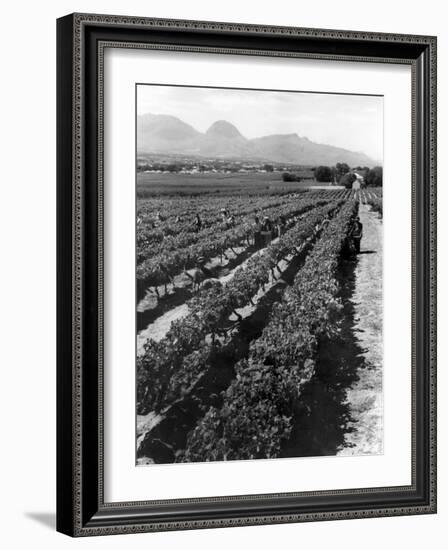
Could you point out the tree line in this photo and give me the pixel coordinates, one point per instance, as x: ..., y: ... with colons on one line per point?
x: 342, y: 174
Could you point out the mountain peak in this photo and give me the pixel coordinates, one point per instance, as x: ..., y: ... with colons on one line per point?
x: 222, y: 128
x: 157, y: 133
x: 165, y: 127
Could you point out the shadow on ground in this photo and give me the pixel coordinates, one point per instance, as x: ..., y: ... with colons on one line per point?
x: 47, y: 519
x: 164, y: 443
x: 180, y: 294
x: 322, y: 414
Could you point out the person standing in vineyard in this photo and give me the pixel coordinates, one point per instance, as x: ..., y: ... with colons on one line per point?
x: 198, y: 223
x: 356, y: 234
x: 230, y: 221
x: 266, y: 230
x: 257, y: 232
x: 281, y: 223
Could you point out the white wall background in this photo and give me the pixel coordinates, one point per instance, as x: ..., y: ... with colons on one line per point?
x: 27, y: 289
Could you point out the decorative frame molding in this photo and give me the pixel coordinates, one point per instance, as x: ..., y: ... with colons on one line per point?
x: 81, y: 42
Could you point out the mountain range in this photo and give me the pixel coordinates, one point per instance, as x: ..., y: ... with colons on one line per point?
x: 166, y: 134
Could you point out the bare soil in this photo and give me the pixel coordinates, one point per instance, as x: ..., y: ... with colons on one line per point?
x: 161, y: 325
x: 366, y: 395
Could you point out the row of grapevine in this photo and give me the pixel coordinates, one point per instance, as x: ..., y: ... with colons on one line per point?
x: 377, y: 191
x: 160, y: 269
x: 209, y: 212
x: 172, y: 207
x: 376, y: 205
x: 373, y: 197
x: 258, y: 406
x: 168, y: 368
x: 186, y: 235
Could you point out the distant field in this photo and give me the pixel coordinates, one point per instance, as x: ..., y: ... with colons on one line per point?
x: 150, y: 184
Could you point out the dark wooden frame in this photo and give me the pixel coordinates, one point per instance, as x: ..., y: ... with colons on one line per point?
x: 81, y: 38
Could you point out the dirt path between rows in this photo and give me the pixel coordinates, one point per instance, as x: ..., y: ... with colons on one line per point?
x: 365, y: 397
x: 159, y: 328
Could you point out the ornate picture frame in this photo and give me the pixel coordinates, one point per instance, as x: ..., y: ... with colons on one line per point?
x: 81, y: 506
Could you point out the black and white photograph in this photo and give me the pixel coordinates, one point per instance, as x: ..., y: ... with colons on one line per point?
x: 227, y: 328
x: 259, y: 261
x: 246, y: 333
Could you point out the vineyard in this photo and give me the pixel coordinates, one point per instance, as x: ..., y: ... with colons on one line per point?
x: 231, y: 326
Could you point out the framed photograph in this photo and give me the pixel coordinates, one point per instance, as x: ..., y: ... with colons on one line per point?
x: 246, y: 274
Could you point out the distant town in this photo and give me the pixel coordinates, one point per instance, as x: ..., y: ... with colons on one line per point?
x: 212, y: 167
x: 340, y: 174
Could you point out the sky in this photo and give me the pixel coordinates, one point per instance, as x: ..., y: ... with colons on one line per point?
x: 353, y: 122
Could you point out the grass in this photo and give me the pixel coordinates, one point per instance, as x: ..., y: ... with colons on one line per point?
x: 153, y: 184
